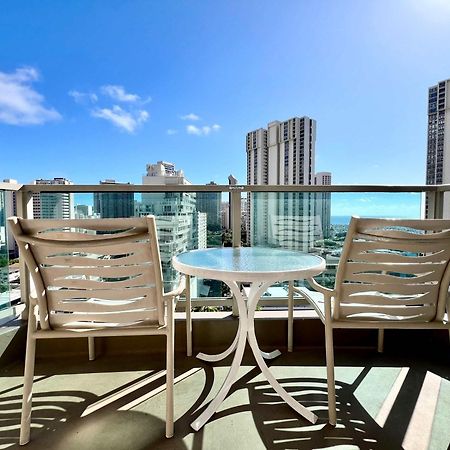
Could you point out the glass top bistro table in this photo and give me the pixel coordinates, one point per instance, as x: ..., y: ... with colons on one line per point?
x: 261, y: 267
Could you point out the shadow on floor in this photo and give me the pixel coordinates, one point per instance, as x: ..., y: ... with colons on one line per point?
x: 58, y: 423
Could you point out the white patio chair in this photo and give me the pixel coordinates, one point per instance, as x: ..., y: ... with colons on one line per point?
x: 392, y: 274
x: 94, y: 277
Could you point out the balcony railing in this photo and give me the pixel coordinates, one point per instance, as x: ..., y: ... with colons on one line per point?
x: 307, y: 218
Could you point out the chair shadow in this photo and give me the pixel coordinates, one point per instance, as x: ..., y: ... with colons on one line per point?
x: 57, y: 422
x: 279, y: 427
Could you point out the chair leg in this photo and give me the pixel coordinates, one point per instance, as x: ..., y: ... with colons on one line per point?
x: 188, y: 317
x: 330, y: 374
x: 25, y: 421
x: 291, y: 317
x: 380, y: 347
x: 91, y: 348
x: 170, y: 374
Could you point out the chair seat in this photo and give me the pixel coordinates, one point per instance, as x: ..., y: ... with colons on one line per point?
x: 80, y: 328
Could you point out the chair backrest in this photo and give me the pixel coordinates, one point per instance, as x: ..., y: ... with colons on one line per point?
x: 392, y: 269
x: 91, y: 273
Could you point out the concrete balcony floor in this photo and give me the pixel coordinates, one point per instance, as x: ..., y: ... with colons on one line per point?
x: 398, y: 399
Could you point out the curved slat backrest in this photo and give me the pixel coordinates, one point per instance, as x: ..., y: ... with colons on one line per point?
x: 91, y: 273
x: 392, y: 269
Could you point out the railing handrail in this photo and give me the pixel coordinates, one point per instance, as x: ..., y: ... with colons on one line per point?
x: 144, y: 188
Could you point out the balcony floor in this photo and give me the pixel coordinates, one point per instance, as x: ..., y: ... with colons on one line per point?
x: 385, y: 401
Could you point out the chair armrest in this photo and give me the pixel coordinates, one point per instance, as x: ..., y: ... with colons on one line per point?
x: 322, y: 289
x: 177, y: 291
x: 33, y: 299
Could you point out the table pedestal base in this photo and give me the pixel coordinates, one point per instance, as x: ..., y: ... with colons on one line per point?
x: 246, y: 332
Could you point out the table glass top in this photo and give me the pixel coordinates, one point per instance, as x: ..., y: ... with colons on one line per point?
x: 249, y: 259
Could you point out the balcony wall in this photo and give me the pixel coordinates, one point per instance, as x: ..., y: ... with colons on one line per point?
x: 307, y: 218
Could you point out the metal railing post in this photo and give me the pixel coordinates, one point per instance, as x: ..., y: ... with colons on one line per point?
x: 24, y: 210
x: 236, y: 217
x: 438, y: 205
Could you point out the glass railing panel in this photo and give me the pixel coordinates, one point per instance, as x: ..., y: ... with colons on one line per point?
x: 185, y: 221
x: 317, y: 222
x: 6, y: 312
x: 312, y: 222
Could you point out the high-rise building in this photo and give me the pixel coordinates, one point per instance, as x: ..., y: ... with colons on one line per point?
x: 438, y: 142
x: 84, y: 212
x: 282, y: 154
x: 322, y: 179
x: 225, y: 213
x: 53, y: 205
x: 164, y: 173
x: 209, y: 203
x: 113, y: 204
x: 180, y: 226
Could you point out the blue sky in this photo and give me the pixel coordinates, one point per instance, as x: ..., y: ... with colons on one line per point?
x: 96, y: 89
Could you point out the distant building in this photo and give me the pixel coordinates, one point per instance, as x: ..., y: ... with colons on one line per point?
x: 53, y: 205
x: 83, y: 212
x: 180, y: 226
x: 283, y: 154
x: 322, y: 179
x: 113, y: 204
x: 438, y: 142
x: 225, y: 215
x: 164, y: 173
x: 209, y: 203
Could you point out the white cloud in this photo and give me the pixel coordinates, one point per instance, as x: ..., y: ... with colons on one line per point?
x: 202, y: 131
x: 171, y: 131
x: 83, y: 97
x: 20, y: 104
x: 119, y: 94
x: 190, y: 116
x: 125, y: 120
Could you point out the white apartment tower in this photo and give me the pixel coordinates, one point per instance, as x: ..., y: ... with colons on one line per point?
x: 180, y: 226
x: 284, y: 154
x: 322, y: 179
x: 438, y: 142
x: 53, y: 205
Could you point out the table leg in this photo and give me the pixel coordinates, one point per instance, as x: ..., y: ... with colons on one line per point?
x: 214, y: 358
x: 223, y: 355
x: 232, y: 372
x: 255, y: 293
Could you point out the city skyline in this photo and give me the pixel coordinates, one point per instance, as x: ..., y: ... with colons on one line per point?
x: 91, y: 94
